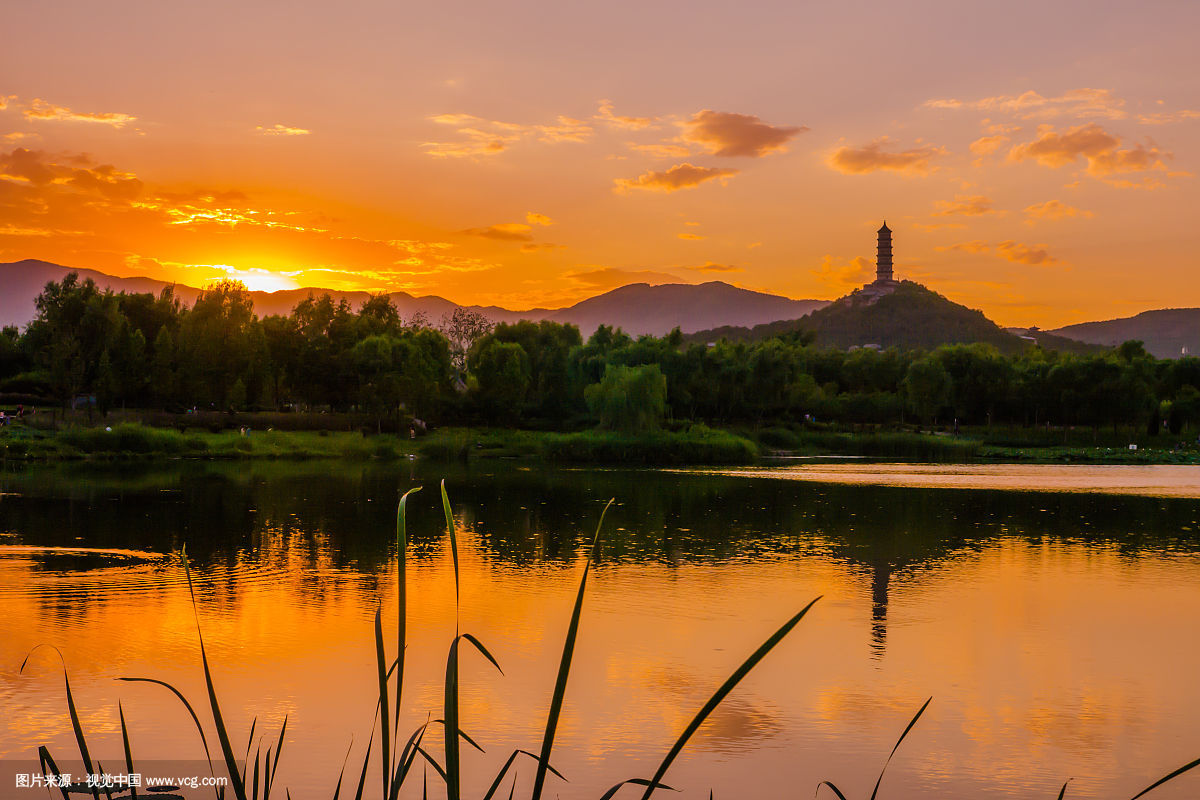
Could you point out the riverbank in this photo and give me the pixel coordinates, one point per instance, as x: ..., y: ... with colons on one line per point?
x: 686, y: 445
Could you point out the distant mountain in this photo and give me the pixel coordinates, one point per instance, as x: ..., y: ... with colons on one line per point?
x: 1165, y: 332
x: 637, y: 309
x: 909, y: 317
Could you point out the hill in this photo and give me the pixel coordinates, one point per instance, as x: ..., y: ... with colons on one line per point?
x: 1165, y: 332
x: 637, y: 308
x: 911, y: 317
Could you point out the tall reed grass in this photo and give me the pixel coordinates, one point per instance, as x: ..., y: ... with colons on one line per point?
x: 395, y: 763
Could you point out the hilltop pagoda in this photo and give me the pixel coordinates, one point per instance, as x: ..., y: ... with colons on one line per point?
x: 885, y: 282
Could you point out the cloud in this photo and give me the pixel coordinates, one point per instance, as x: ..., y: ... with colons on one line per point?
x: 612, y: 277
x: 1035, y: 255
x: 41, y: 110
x: 36, y: 169
x: 724, y: 133
x: 964, y: 205
x: 1095, y: 145
x: 973, y: 246
x: 680, y: 176
x: 692, y: 237
x: 1079, y: 103
x: 661, y: 150
x: 504, y: 232
x: 845, y: 275
x: 605, y: 114
x: 534, y: 218
x: 4, y: 100
x: 1166, y: 118
x: 282, y: 130
x: 986, y: 145
x: 489, y: 137
x: 1052, y: 210
x: 712, y: 266
x: 871, y: 157
x: 534, y: 247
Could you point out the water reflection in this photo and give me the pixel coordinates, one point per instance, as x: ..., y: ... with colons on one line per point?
x: 1049, y: 627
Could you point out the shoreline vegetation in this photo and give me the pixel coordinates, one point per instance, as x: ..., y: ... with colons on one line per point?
x: 131, y: 438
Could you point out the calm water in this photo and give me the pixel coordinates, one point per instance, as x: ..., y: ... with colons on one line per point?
x: 1056, y: 630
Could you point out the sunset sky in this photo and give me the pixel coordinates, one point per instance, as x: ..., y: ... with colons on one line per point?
x: 1036, y: 160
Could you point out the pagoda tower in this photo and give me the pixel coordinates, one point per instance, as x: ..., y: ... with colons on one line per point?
x: 883, y: 257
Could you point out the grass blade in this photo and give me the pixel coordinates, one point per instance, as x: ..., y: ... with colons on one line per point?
x: 453, y: 541
x: 911, y: 723
x: 1166, y: 778
x: 450, y: 725
x: 508, y: 764
x: 235, y: 779
x: 195, y: 719
x: 1063, y: 791
x: 635, y: 782
x: 342, y: 772
x: 832, y: 788
x: 44, y: 761
x: 128, y: 751
x: 385, y: 749
x: 564, y: 666
x: 401, y: 618
x: 362, y: 777
x: 278, y: 751
x: 714, y: 701
x: 80, y: 739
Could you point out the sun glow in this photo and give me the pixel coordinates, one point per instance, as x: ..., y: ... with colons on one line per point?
x: 256, y: 279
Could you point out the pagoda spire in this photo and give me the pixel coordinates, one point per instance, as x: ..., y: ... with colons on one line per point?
x: 883, y: 257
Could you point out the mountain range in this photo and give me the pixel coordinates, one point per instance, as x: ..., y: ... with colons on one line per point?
x: 1167, y: 332
x: 638, y: 308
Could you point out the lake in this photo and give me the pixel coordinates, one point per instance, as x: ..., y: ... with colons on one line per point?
x: 1050, y: 611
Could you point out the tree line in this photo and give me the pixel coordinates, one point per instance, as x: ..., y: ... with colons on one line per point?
x: 106, y: 350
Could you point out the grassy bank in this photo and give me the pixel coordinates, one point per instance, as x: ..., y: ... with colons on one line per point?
x: 875, y: 444
x: 134, y: 441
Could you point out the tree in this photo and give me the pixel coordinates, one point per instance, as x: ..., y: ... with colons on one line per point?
x: 463, y: 327
x: 631, y: 399
x: 502, y: 369
x: 928, y: 387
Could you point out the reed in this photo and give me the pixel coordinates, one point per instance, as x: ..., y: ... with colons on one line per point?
x: 396, y: 763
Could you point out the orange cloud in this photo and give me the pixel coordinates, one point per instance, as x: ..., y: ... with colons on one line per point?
x: 986, y: 145
x: 693, y: 237
x: 680, y: 176
x: 613, y: 277
x: 487, y: 137
x: 534, y: 218
x: 1097, y: 146
x: 1165, y: 118
x: 973, y: 246
x: 660, y: 150
x: 282, y: 130
x: 1031, y: 105
x: 967, y: 206
x: 1052, y: 210
x: 845, y: 275
x: 1035, y: 255
x: 41, y: 110
x: 872, y: 157
x: 724, y: 133
x: 532, y: 247
x: 605, y: 114
x: 504, y: 232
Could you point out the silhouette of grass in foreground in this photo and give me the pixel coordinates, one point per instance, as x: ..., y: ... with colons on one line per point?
x: 396, y: 767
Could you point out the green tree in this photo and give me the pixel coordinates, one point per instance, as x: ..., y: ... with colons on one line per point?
x: 928, y: 388
x: 503, y: 372
x: 632, y: 399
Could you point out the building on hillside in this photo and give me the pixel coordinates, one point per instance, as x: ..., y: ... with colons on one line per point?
x: 885, y: 282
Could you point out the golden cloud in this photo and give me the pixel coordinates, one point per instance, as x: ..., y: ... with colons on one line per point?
x: 661, y: 150
x: 1052, y: 210
x: 680, y: 176
x: 692, y: 237
x: 986, y: 145
x: 845, y: 275
x: 1035, y: 255
x: 488, y: 137
x: 1031, y: 105
x: 282, y: 130
x: 872, y: 157
x: 504, y: 232
x: 605, y: 114
x: 534, y: 218
x: 41, y: 110
x: 724, y: 133
x: 964, y: 205
x: 973, y: 246
x: 1165, y: 118
x: 613, y: 277
x: 1097, y: 146
x: 534, y: 247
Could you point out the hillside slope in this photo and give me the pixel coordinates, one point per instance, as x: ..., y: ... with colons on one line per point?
x: 1165, y: 332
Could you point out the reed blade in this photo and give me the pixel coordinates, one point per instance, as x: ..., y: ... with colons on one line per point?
x: 401, y: 612
x: 362, y: 777
x: 832, y: 788
x: 44, y: 760
x: 652, y: 785
x: 235, y: 779
x: 714, y: 701
x: 507, y: 765
x: 1165, y: 778
x: 342, y: 772
x: 911, y: 723
x: 385, y: 749
x: 1063, y: 791
x: 450, y: 724
x: 453, y: 541
x: 564, y: 665
x: 278, y: 751
x: 128, y: 751
x: 190, y: 710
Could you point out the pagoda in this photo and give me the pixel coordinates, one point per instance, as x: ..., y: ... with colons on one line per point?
x: 883, y: 257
